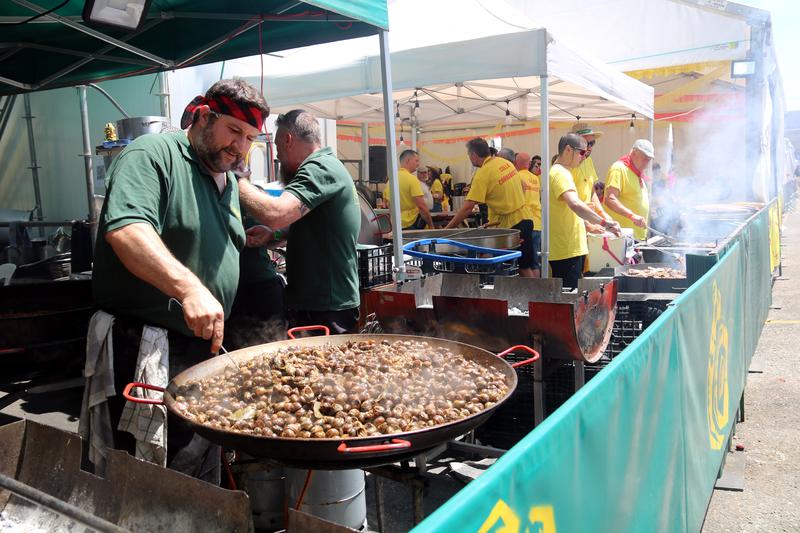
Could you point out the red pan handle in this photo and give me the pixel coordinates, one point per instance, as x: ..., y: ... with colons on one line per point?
x: 523, y: 348
x: 292, y: 331
x: 130, y: 386
x: 396, y: 444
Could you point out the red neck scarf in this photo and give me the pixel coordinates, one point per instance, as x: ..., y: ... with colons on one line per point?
x: 222, y: 104
x: 626, y: 160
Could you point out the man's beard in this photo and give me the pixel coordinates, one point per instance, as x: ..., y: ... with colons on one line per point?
x: 213, y: 157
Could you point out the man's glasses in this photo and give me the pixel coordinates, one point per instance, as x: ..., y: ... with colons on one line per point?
x: 537, y: 164
x: 582, y: 152
x: 590, y: 144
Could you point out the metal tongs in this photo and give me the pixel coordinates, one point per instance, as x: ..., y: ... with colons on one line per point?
x: 671, y: 240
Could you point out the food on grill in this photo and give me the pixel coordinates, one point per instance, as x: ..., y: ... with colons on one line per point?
x: 655, y: 272
x: 357, y: 389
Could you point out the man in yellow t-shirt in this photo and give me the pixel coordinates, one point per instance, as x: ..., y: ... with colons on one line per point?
x: 497, y: 184
x: 531, y: 187
x: 568, y: 247
x: 414, y: 213
x: 626, y: 195
x: 586, y: 175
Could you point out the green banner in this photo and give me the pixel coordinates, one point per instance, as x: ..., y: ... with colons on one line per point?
x: 638, y: 448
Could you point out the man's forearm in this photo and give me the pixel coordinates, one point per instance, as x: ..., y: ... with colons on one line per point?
x: 465, y: 210
x: 274, y: 212
x: 613, y: 202
x: 143, y: 253
x: 598, y: 206
x: 426, y: 216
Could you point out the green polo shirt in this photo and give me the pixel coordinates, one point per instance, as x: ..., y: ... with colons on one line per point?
x: 321, y: 260
x: 158, y: 180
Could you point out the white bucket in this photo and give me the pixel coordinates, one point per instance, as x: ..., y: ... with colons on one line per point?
x: 617, y: 249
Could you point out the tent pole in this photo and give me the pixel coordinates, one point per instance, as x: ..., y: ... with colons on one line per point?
x: 545, y: 177
x: 413, y: 136
x: 365, y: 152
x: 652, y: 124
x: 391, y: 156
x: 87, y: 160
x: 37, y: 193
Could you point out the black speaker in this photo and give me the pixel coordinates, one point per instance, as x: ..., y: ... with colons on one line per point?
x: 377, y: 164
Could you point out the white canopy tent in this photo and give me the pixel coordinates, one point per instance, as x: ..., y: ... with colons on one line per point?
x: 507, y: 69
x: 673, y: 42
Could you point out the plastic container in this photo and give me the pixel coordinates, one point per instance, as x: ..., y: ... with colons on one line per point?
x: 273, y: 188
x: 374, y: 265
x: 607, y: 250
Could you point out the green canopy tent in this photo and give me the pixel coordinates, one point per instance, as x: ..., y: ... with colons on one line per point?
x: 46, y: 45
x: 58, y: 49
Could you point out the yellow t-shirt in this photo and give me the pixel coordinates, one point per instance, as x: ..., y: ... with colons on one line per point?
x: 532, y: 191
x: 567, y: 231
x: 585, y: 177
x: 409, y: 188
x: 631, y: 194
x: 437, y: 187
x: 498, y: 185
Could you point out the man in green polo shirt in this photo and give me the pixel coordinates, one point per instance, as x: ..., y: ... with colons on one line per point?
x: 171, y: 228
x: 320, y: 203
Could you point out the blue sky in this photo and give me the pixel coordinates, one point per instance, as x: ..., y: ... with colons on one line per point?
x: 786, y: 33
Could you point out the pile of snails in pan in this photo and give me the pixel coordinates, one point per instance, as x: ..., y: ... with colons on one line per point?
x: 356, y: 389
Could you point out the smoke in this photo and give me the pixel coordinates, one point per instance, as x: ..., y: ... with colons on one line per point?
x: 250, y: 331
x: 706, y: 165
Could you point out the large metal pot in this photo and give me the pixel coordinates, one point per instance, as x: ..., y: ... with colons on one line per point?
x: 133, y: 127
x: 336, y: 453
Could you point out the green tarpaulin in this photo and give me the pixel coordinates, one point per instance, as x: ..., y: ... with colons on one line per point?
x: 47, y: 53
x: 639, y: 447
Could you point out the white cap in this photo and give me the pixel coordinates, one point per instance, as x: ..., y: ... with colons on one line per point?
x: 646, y: 147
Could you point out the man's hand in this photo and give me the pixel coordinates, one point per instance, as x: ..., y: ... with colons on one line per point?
x: 638, y: 221
x: 594, y: 228
x: 258, y: 236
x: 614, y: 227
x: 204, y: 316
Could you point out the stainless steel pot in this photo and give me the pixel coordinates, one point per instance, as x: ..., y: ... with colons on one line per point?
x: 133, y: 127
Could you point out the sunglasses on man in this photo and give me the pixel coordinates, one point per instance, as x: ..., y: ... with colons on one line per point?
x: 590, y: 144
x: 582, y: 152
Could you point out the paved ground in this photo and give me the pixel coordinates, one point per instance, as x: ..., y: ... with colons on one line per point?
x: 771, y: 431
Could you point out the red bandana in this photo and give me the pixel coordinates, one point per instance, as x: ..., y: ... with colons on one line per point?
x: 626, y: 160
x: 222, y: 104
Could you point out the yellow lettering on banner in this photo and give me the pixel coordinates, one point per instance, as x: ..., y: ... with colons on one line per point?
x: 717, y: 401
x: 774, y: 237
x: 503, y: 514
x: 543, y: 519
x: 502, y: 517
